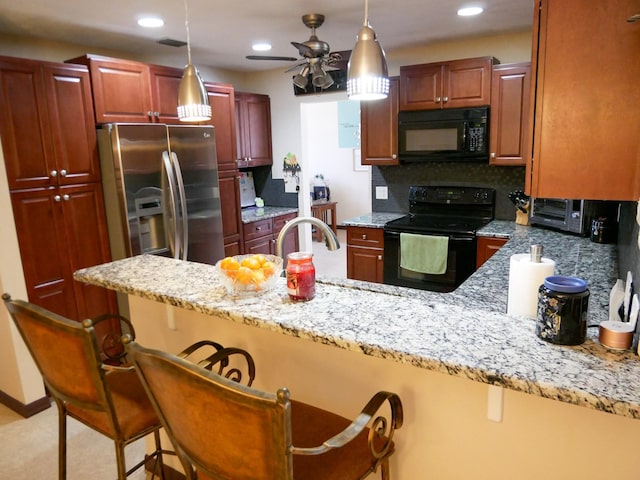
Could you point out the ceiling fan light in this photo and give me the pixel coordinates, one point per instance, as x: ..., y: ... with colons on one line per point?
x: 300, y: 80
x: 193, y: 102
x: 367, y: 74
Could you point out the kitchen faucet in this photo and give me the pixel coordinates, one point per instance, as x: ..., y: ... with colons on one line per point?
x: 329, y: 237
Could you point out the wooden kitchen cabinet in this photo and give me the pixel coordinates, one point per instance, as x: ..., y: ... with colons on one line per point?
x: 223, y: 118
x: 365, y: 254
x: 260, y: 236
x: 61, y: 230
x: 130, y: 91
x: 452, y: 84
x: 379, y: 128
x: 509, y: 118
x: 487, y: 247
x: 229, y: 184
x: 253, y: 130
x: 586, y: 117
x: 45, y: 140
x: 49, y: 142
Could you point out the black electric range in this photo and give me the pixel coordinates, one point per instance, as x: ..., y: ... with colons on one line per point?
x: 455, y: 212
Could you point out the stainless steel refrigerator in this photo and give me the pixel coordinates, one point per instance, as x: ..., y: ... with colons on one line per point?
x: 161, y: 191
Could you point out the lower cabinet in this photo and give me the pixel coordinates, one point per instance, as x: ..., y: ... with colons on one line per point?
x: 487, y: 247
x: 61, y: 230
x: 260, y: 236
x: 229, y: 183
x: 365, y: 254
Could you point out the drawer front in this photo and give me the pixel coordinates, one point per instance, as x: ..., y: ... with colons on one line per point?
x: 257, y: 229
x: 365, y: 237
x: 281, y: 220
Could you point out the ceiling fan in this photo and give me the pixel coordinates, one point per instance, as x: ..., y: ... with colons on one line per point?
x: 316, y: 57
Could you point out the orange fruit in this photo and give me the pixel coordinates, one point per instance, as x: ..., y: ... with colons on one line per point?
x: 258, y: 277
x: 260, y: 258
x: 229, y: 263
x: 268, y: 268
x: 251, y: 262
x: 244, y: 276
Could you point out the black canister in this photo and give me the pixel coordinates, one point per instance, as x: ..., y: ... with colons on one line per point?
x: 562, y: 310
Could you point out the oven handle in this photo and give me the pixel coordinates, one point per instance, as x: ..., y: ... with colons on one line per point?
x: 454, y: 238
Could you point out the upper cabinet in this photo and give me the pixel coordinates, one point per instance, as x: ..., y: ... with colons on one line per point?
x: 586, y: 114
x: 379, y: 125
x: 253, y: 130
x: 46, y: 124
x: 453, y: 84
x: 509, y: 117
x: 129, y: 91
x: 223, y: 118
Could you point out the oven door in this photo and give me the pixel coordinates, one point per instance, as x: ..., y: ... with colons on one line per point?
x: 461, y: 261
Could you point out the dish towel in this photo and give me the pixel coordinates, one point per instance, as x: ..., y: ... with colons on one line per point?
x: 424, y: 253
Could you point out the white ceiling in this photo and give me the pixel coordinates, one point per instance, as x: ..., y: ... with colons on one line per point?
x: 222, y: 32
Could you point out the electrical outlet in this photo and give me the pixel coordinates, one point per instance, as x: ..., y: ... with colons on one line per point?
x: 382, y: 193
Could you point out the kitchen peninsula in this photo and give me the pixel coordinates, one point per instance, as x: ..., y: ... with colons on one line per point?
x: 439, y: 352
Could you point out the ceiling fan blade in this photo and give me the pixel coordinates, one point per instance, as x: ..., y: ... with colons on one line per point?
x: 270, y: 57
x: 329, y: 68
x: 304, y: 50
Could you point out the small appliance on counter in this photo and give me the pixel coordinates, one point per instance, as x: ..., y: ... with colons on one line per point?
x: 562, y: 310
x: 573, y: 216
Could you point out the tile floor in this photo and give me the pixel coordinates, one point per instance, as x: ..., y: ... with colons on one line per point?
x: 331, y: 264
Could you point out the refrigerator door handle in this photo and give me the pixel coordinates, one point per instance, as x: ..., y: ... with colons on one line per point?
x: 169, y: 212
x: 184, y: 220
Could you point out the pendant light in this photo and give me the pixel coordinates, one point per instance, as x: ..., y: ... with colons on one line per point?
x: 367, y: 77
x: 193, y: 102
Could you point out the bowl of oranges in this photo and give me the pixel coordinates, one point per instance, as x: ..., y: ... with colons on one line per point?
x: 244, y: 275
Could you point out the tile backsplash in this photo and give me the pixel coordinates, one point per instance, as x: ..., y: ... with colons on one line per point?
x: 398, y: 179
x: 628, y: 248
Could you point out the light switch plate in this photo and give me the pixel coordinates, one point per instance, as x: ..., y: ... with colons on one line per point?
x: 382, y: 193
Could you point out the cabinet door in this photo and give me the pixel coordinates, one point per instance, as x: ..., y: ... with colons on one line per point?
x: 290, y: 243
x: 223, y: 106
x: 165, y: 82
x: 586, y: 142
x: 509, y: 129
x: 487, y: 247
x: 44, y: 249
x: 24, y: 125
x: 72, y: 123
x: 421, y: 87
x: 254, y: 129
x: 229, y: 184
x: 121, y: 90
x: 264, y: 245
x: 87, y: 244
x: 379, y: 124
x: 467, y: 83
x: 365, y: 264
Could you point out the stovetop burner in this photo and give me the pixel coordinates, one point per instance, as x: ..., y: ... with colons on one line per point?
x: 438, y: 209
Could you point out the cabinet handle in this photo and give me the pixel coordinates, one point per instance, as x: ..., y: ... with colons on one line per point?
x: 364, y: 236
x: 379, y: 257
x: 156, y: 114
x: 438, y: 99
x: 394, y: 156
x: 57, y: 198
x: 493, y: 154
x: 258, y: 229
x: 150, y: 114
x: 54, y: 173
x: 63, y: 173
x: 445, y: 99
x: 65, y: 197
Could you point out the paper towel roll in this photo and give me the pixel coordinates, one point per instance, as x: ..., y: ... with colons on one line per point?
x: 525, y: 278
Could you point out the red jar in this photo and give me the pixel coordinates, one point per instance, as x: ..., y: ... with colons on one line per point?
x: 301, y: 276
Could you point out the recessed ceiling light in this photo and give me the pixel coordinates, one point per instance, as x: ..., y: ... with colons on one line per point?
x: 151, y: 22
x: 470, y: 11
x: 261, y: 47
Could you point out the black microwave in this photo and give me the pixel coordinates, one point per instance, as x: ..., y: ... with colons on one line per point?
x: 455, y: 134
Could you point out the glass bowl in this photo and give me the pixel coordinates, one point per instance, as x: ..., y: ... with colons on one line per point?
x: 245, y: 275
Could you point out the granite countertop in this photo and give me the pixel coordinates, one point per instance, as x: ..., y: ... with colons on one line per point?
x: 372, y: 220
x: 252, y: 214
x: 464, y: 333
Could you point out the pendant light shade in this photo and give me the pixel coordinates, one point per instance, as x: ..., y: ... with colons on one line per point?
x: 193, y: 102
x: 367, y: 77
